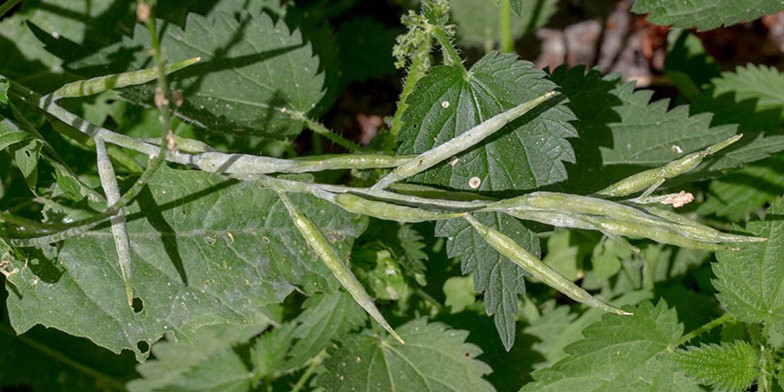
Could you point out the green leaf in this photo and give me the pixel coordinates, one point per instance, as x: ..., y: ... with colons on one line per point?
x: 620, y: 354
x: 459, y: 293
x: 730, y: 366
x: 738, y: 195
x: 478, y: 20
x: 528, y: 153
x: 205, y: 363
x: 752, y: 96
x: 325, y: 319
x: 564, y: 253
x: 517, y: 6
x: 687, y: 63
x: 498, y: 277
x: 26, y: 157
x: 3, y: 91
x: 250, y: 70
x: 205, y: 250
x: 268, y: 354
x: 433, y: 358
x: 704, y: 14
x: 10, y: 134
x: 750, y: 280
x: 620, y: 127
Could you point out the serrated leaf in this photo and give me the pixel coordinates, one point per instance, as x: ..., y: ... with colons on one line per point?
x: 250, y: 69
x: 433, y: 358
x: 205, y: 250
x: 206, y: 363
x: 10, y: 134
x: 498, y: 277
x: 620, y: 127
x: 620, y: 354
x: 741, y: 193
x: 526, y: 154
x: 751, y: 96
x: 478, y: 20
x: 704, y: 14
x: 727, y: 367
x: 687, y: 63
x: 750, y: 281
x: 326, y: 317
x: 268, y: 354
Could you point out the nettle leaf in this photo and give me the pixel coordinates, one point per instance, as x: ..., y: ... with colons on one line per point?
x: 205, y: 250
x: 730, y: 366
x: 741, y: 193
x: 750, y: 281
x: 528, y: 153
x: 250, y: 69
x: 205, y: 363
x: 326, y: 317
x: 704, y: 14
x: 620, y: 354
x: 498, y: 277
x: 10, y: 133
x: 620, y: 127
x: 478, y: 20
x: 433, y: 358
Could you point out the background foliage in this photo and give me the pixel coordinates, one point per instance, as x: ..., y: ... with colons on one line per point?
x: 229, y: 296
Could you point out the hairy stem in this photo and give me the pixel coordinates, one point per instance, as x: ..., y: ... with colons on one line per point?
x: 723, y: 319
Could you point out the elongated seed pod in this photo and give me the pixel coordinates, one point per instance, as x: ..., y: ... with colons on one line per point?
x: 697, y: 229
x: 517, y: 254
x: 459, y: 143
x: 83, y: 88
x: 664, y: 234
x: 342, y: 273
x: 647, y: 178
x: 389, y: 211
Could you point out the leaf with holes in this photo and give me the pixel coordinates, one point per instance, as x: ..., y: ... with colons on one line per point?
x: 526, y: 154
x: 205, y: 250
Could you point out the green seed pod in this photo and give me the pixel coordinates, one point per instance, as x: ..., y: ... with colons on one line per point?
x: 340, y: 270
x: 670, y: 234
x: 460, y: 143
x: 517, y: 254
x: 389, y: 211
x: 653, y: 177
x: 83, y: 88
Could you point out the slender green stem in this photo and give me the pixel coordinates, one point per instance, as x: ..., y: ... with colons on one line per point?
x: 450, y: 54
x: 704, y: 328
x: 320, y: 129
x: 7, y: 5
x: 507, y: 40
x: 103, y: 379
x: 419, y: 66
x: 314, y: 364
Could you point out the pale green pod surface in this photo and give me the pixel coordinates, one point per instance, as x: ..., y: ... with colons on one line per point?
x: 697, y: 229
x: 458, y: 144
x: 517, y: 254
x: 389, y: 211
x: 340, y: 270
x: 667, y: 234
x: 645, y: 179
x: 83, y: 88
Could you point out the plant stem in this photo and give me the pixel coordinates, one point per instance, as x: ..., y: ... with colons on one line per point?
x: 450, y: 54
x: 6, y: 6
x: 314, y: 364
x: 320, y: 129
x: 704, y: 328
x: 507, y: 40
x: 419, y: 66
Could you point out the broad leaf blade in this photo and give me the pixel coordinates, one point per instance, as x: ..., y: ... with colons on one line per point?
x: 432, y: 359
x: 205, y: 363
x: 499, y: 278
x: 750, y: 281
x: 205, y: 250
x: 251, y: 68
x: 730, y: 366
x: 704, y: 14
x: 620, y: 354
x: 526, y: 154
